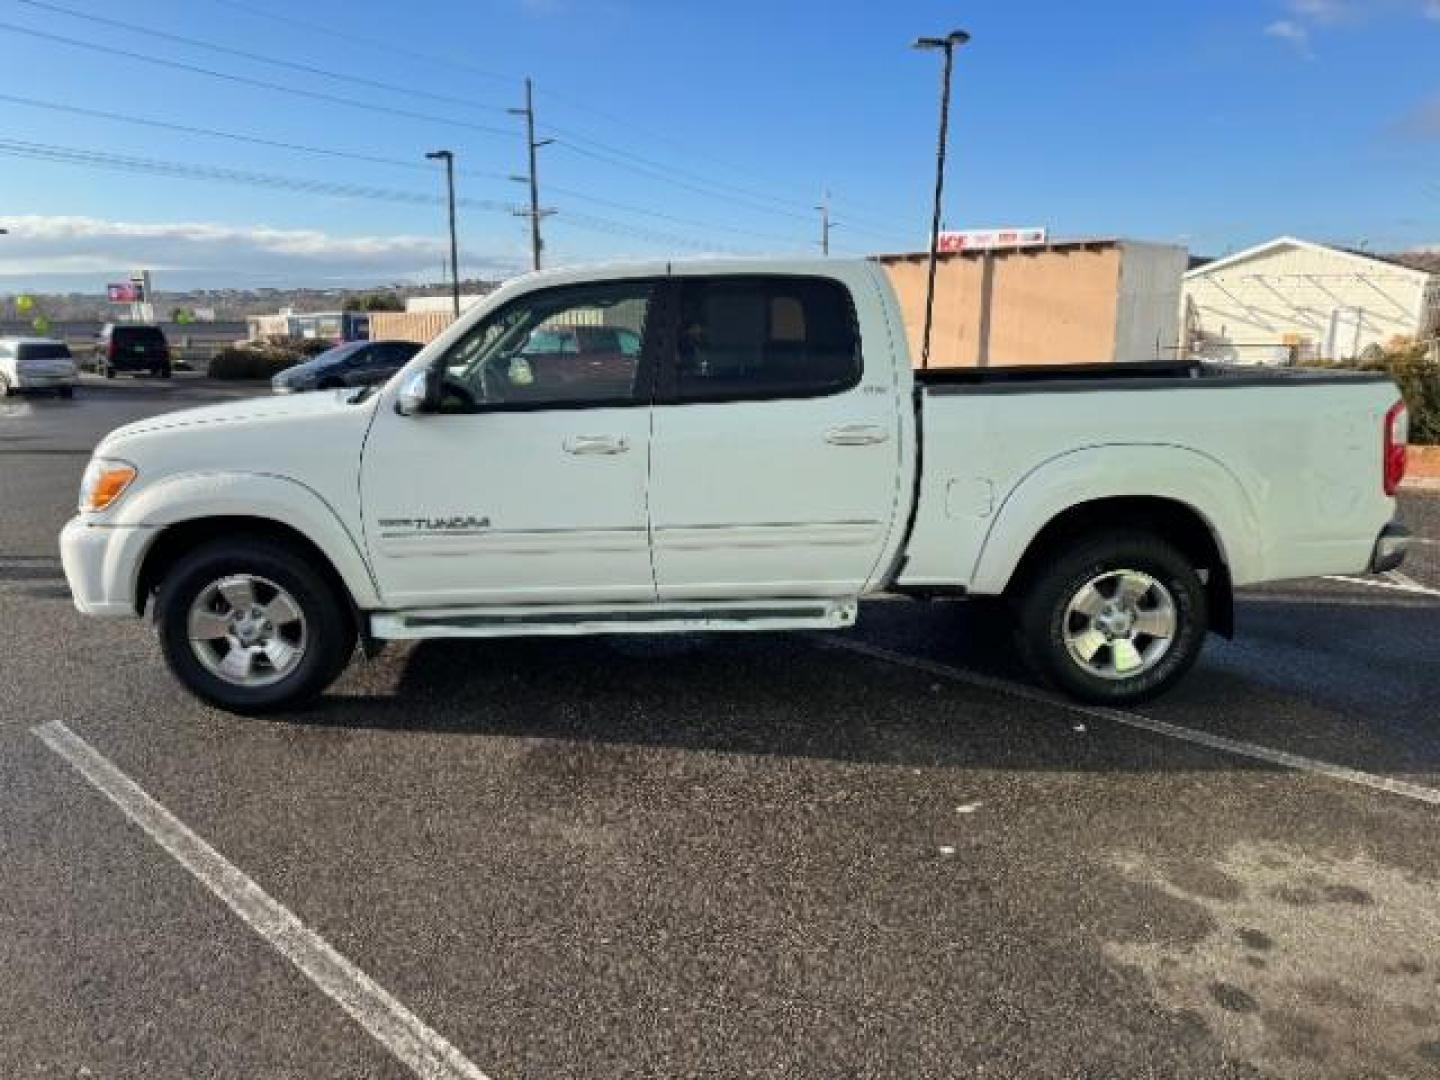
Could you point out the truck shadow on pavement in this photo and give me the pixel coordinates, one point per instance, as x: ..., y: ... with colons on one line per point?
x: 788, y: 695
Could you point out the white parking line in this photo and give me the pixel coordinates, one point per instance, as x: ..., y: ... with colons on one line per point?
x: 1282, y: 758
x: 1393, y: 580
x: 390, y: 1023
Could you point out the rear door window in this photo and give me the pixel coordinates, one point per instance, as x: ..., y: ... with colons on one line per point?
x: 759, y: 337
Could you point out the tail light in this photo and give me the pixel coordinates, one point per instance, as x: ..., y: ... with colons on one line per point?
x: 110, y: 349
x: 1397, y: 432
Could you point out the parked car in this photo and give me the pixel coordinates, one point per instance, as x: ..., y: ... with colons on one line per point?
x: 132, y: 347
x: 36, y: 364
x: 771, y: 459
x: 355, y: 363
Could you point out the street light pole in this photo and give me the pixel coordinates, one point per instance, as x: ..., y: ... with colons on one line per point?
x: 948, y: 44
x: 448, y: 157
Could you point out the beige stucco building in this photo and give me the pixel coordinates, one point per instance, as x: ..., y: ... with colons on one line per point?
x: 1290, y: 299
x: 1080, y: 301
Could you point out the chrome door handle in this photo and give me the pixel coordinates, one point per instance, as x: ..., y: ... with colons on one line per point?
x: 597, y: 444
x: 856, y: 435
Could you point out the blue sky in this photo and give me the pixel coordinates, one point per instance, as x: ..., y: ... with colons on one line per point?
x: 713, y: 126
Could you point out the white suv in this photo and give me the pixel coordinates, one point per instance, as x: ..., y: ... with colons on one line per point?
x: 36, y: 364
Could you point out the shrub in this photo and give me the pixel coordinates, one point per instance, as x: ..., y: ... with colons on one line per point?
x: 261, y: 361
x: 1416, y: 370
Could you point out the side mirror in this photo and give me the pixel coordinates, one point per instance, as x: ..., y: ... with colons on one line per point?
x: 415, y: 393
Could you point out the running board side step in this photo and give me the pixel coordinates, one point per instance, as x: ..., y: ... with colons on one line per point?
x: 564, y: 620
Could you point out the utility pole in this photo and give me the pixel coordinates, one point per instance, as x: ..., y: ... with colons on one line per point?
x: 533, y: 179
x: 825, y: 224
x: 448, y: 157
x: 948, y: 44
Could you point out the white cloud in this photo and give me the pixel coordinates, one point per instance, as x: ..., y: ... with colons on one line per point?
x: 1302, y: 17
x: 1291, y: 31
x: 1323, y: 11
x: 186, y: 253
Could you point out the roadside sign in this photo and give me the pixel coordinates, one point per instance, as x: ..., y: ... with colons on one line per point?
x: 122, y: 293
x: 992, y: 239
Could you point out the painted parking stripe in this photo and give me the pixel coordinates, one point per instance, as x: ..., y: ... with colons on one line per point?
x: 1393, y: 580
x: 390, y: 1023
x: 1282, y: 758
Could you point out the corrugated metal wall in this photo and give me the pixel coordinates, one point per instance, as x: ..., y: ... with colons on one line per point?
x: 421, y: 326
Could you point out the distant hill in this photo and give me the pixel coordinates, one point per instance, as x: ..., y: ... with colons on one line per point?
x: 228, y: 304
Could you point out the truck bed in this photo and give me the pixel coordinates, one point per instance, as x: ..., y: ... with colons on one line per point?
x: 1291, y: 480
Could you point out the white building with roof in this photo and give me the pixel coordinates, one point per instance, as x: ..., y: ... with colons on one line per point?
x: 1291, y: 299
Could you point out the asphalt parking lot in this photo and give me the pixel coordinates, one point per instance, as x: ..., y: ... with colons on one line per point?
x: 878, y: 855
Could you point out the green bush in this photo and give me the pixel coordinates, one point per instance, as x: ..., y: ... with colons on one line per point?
x: 1416, y: 371
x: 264, y: 359
x: 241, y: 362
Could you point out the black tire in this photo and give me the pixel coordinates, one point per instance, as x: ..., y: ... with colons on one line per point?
x: 329, y: 627
x: 164, y: 372
x: 107, y: 370
x: 67, y: 392
x: 1044, y: 616
x: 330, y: 384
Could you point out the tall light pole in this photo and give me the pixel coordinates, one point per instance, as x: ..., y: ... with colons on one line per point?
x: 948, y: 44
x: 448, y: 157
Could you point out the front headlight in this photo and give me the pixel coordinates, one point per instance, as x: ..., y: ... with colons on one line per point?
x: 105, y: 480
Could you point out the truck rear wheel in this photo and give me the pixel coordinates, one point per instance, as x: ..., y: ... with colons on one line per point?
x: 251, y: 626
x: 1118, y: 619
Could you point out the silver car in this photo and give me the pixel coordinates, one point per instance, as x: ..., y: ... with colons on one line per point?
x: 36, y: 364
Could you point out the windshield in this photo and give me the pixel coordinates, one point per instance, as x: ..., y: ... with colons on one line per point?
x: 339, y: 352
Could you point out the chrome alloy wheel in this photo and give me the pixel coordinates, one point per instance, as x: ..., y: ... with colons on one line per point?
x: 247, y: 630
x: 1120, y: 624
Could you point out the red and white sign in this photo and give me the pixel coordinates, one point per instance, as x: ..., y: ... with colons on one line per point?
x: 122, y: 293
x: 992, y: 239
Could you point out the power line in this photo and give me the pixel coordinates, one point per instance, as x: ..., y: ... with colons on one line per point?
x: 216, y: 133
x: 374, y: 159
x: 647, y: 166
x: 70, y: 155
x: 609, y: 155
x: 875, y: 228
x: 183, y: 170
x: 389, y: 47
x: 245, y: 54
x: 195, y: 69
x: 652, y: 173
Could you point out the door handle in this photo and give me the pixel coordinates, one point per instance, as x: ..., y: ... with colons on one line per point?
x: 856, y: 435
x: 597, y: 444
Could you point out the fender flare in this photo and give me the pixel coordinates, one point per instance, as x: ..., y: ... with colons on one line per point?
x: 196, y: 496
x: 1178, y: 474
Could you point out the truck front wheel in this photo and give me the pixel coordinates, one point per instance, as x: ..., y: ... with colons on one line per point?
x: 1118, y: 619
x: 251, y: 626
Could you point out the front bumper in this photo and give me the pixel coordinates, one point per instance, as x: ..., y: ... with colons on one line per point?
x: 1390, y: 548
x: 102, y: 564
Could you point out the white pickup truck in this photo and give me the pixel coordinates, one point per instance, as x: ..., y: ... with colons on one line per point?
x: 727, y: 445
